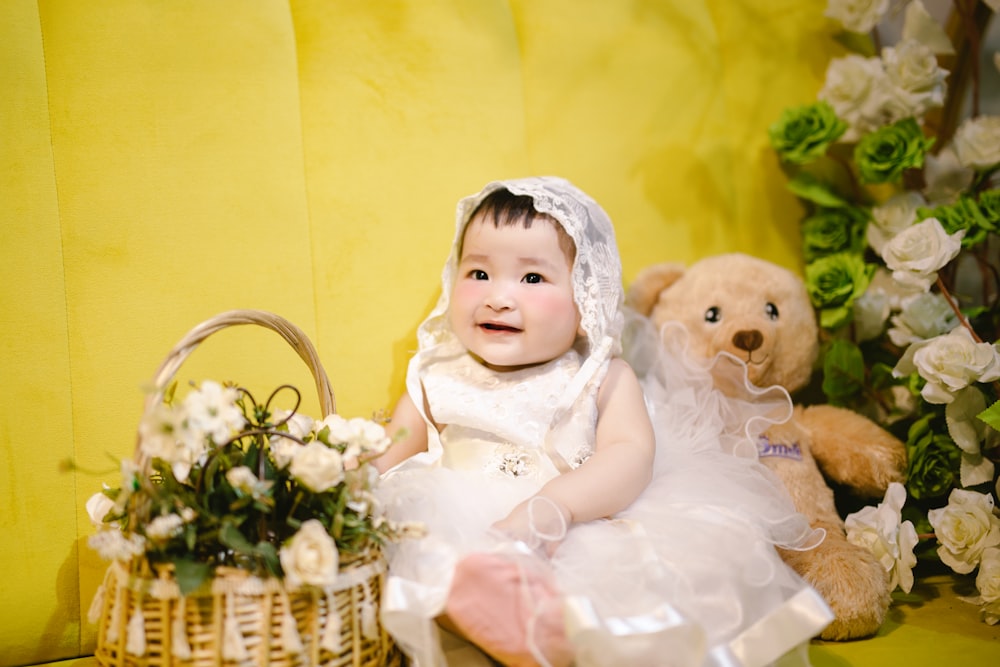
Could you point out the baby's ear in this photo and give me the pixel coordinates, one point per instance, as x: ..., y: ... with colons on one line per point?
x: 651, y: 281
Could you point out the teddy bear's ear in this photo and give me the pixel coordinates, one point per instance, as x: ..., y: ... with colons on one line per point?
x: 645, y: 289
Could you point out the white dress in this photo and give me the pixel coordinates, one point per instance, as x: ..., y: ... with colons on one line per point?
x: 687, y: 575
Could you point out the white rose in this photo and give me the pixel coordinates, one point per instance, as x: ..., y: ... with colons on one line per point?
x: 946, y: 178
x: 212, y: 411
x: 318, y: 467
x: 918, y: 84
x: 163, y: 527
x: 310, y: 557
x: 891, y: 540
x: 98, y: 506
x: 949, y: 363
x: 965, y: 528
x: 923, y: 317
x: 242, y: 478
x: 918, y: 24
x: 857, y: 15
x: 297, y: 425
x: 871, y: 310
x: 892, y: 217
x: 284, y: 450
x: 360, y: 435
x: 988, y: 583
x: 968, y: 432
x: 854, y: 87
x: 113, y: 545
x: 977, y: 142
x: 917, y: 253
x: 897, y: 293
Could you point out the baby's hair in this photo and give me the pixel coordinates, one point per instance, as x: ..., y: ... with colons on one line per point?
x: 505, y: 209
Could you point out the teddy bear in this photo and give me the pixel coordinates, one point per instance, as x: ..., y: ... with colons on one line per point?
x: 761, y: 313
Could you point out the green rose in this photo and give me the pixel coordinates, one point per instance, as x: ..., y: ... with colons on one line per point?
x: 965, y: 214
x: 803, y: 133
x: 831, y: 230
x: 833, y: 283
x: 886, y: 153
x: 934, y: 461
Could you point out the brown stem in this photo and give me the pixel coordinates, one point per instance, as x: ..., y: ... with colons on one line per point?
x: 962, y: 319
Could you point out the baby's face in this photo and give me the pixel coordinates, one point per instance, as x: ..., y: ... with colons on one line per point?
x: 512, y: 304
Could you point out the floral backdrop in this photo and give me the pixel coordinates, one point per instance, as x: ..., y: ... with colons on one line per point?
x: 896, y: 165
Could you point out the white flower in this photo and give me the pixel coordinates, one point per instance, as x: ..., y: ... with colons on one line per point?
x: 298, y: 425
x: 968, y: 431
x: 113, y: 545
x: 310, y: 557
x: 857, y: 15
x: 977, y: 142
x: 917, y: 253
x: 922, y: 317
x: 988, y: 583
x: 164, y: 433
x: 891, y: 540
x: 212, y: 410
x: 965, y: 528
x: 98, y: 506
x: 949, y: 363
x: 855, y: 88
x: 163, y: 527
x: 284, y: 450
x: 242, y: 478
x: 946, y: 178
x: 361, y: 436
x: 871, y: 310
x: 892, y: 217
x: 919, y: 25
x: 917, y: 82
x: 318, y: 467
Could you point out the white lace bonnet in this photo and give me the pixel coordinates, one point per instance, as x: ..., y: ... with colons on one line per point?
x: 596, y: 274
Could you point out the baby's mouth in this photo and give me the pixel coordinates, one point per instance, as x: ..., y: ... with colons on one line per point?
x: 497, y: 326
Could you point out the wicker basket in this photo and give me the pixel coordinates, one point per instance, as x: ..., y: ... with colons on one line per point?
x: 241, y: 619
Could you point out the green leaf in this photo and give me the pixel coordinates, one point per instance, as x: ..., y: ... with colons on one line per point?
x: 269, y: 555
x: 843, y: 370
x: 808, y: 187
x: 190, y: 574
x: 230, y: 536
x: 991, y: 416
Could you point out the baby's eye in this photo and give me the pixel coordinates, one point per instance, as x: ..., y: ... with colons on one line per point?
x: 532, y: 278
x: 771, y: 311
x: 713, y: 314
x: 478, y: 274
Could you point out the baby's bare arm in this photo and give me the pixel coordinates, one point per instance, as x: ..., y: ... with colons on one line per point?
x: 413, y: 441
x: 621, y: 465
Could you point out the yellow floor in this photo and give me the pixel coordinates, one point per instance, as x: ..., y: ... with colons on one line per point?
x: 931, y: 626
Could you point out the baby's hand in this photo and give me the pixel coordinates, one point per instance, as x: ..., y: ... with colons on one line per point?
x: 539, y: 522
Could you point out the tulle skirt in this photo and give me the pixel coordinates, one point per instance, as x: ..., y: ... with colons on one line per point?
x: 687, y: 575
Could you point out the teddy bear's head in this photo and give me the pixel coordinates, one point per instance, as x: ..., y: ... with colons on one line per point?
x: 751, y: 308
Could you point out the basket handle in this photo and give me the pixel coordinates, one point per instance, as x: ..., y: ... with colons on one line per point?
x: 293, y: 335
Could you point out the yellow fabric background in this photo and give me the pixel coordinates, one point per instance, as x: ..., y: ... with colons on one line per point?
x: 164, y: 160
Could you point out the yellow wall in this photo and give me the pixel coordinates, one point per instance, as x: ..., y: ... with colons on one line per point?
x: 164, y: 160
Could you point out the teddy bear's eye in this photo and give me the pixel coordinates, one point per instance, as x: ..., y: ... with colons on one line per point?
x: 771, y: 310
x: 713, y: 314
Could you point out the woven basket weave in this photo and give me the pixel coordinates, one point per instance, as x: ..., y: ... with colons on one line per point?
x: 241, y: 619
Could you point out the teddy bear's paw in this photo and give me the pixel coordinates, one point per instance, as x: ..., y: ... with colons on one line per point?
x: 851, y: 581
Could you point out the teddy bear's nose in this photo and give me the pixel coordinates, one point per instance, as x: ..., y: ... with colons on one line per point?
x: 748, y: 339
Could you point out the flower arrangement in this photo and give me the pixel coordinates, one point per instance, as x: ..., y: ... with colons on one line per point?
x: 898, y: 180
x: 231, y: 482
